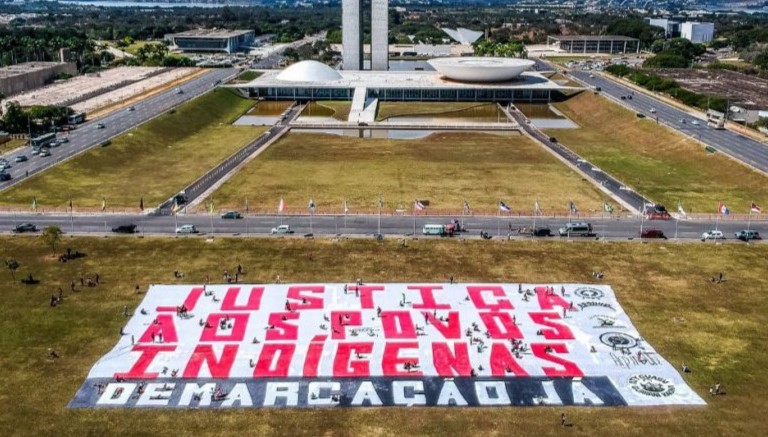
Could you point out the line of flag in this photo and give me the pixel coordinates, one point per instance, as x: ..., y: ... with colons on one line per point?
x: 723, y: 209
x: 607, y: 207
x: 503, y: 207
x: 418, y: 206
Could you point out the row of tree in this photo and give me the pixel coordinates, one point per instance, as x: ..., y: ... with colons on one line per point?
x: 37, y: 119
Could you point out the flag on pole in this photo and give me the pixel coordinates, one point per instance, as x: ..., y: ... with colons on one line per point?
x: 607, y: 207
x: 503, y: 207
x: 211, y: 206
x: 70, y: 203
x: 34, y: 204
x: 103, y: 204
x: 141, y: 203
x: 722, y: 209
x: 756, y: 209
x: 381, y: 202
x: 176, y: 207
x: 573, y: 208
x: 466, y: 207
x: 311, y: 205
x: 246, y: 205
x: 536, y: 207
x: 281, y: 205
x: 680, y: 209
x: 346, y: 206
x: 418, y: 206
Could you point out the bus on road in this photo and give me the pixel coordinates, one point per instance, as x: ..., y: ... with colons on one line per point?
x: 42, y: 140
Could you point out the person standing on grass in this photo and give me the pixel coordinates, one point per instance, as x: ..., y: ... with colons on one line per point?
x: 562, y: 420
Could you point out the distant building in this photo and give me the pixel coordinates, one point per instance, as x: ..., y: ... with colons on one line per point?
x: 462, y: 35
x: 603, y: 44
x: 212, y: 40
x: 15, y: 79
x: 670, y: 27
x: 697, y: 33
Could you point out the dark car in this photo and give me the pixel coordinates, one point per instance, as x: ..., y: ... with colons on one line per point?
x: 542, y: 232
x: 125, y: 229
x: 653, y: 233
x: 25, y: 227
x: 4, y: 176
x: 231, y: 215
x: 748, y: 235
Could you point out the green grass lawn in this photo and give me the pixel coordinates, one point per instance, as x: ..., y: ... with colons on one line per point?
x: 444, y: 168
x: 449, y: 109
x: 718, y: 330
x: 154, y: 160
x: 329, y: 108
x: 248, y: 75
x: 660, y: 163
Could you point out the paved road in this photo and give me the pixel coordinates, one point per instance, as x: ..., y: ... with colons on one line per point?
x: 736, y: 145
x: 631, y: 199
x: 89, y: 135
x: 391, y: 226
x: 213, y: 176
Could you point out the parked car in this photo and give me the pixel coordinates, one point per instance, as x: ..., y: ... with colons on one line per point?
x: 282, y: 229
x: 542, y: 232
x: 21, y: 158
x: 231, y: 215
x: 25, y: 227
x: 131, y: 109
x: 713, y: 235
x: 125, y: 229
x: 4, y: 176
x: 186, y: 229
x: 695, y: 122
x: 747, y: 235
x: 652, y: 110
x: 653, y: 233
x: 100, y: 126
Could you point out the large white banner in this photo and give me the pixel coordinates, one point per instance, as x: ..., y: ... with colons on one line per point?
x: 237, y: 345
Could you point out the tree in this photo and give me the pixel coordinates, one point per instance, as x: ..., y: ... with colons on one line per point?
x: 12, y: 265
x: 51, y: 236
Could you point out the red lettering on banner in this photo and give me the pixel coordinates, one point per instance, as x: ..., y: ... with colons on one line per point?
x: 230, y: 299
x: 503, y: 362
x: 450, y: 329
x: 148, y: 354
x: 164, y: 331
x: 428, y: 301
x: 392, y: 362
x: 476, y: 295
x: 366, y: 295
x: 303, y: 294
x: 558, y: 332
x: 235, y: 327
x: 340, y: 319
x: 449, y: 363
x: 204, y: 353
x: 508, y: 328
x: 269, y: 367
x: 314, y: 354
x: 344, y: 365
x: 569, y: 369
x: 282, y: 329
x: 189, y: 302
x: 548, y: 301
x: 397, y: 324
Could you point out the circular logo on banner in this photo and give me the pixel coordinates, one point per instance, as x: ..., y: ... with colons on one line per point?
x: 618, y: 340
x: 589, y: 293
x: 652, y: 385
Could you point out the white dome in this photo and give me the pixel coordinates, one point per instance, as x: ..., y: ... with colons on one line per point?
x: 480, y: 69
x: 309, y: 71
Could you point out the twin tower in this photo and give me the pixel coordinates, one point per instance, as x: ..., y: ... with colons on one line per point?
x: 352, y: 34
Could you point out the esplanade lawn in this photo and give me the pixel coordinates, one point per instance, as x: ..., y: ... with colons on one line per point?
x: 443, y: 168
x: 716, y: 329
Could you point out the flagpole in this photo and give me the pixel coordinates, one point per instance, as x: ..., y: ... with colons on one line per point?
x: 498, y: 221
x: 749, y: 218
x: 71, y: 215
x: 246, y: 217
x: 534, y: 217
x: 379, y: 228
x: 345, y: 217
x: 642, y: 219
x: 414, y: 220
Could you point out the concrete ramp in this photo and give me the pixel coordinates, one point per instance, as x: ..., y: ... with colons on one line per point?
x: 368, y: 115
x: 358, y: 104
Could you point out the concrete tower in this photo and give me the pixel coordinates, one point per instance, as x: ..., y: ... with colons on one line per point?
x: 380, y: 35
x: 352, y: 34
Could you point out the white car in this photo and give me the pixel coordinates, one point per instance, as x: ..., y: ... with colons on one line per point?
x: 713, y: 235
x: 282, y: 229
x: 186, y: 229
x: 652, y: 111
x: 695, y: 122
